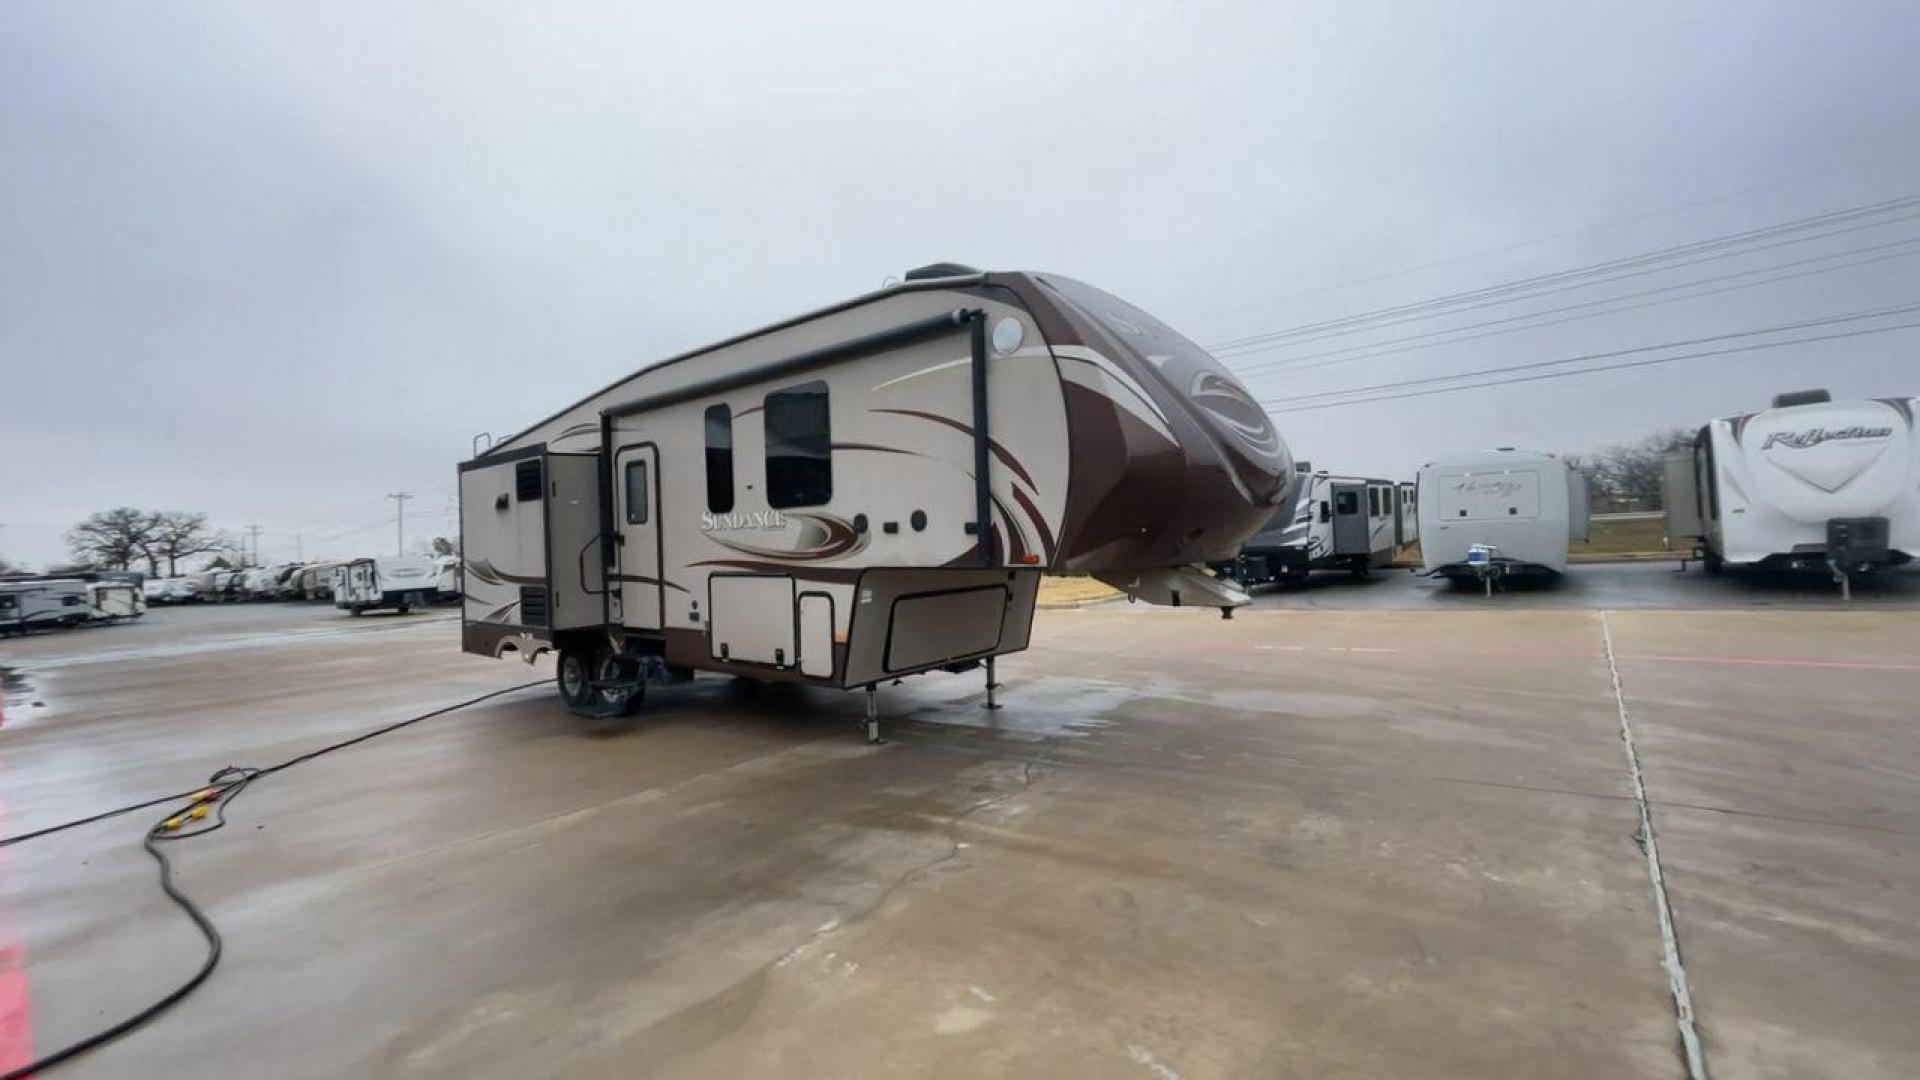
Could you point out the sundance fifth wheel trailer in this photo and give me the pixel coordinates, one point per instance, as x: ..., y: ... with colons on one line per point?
x: 864, y: 492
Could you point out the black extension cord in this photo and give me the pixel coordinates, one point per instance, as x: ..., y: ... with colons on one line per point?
x: 210, y: 799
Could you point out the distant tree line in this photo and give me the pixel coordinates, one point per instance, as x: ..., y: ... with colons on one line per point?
x: 1628, y: 476
x: 125, y: 538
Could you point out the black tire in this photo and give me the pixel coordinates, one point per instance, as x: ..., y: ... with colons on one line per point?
x: 1710, y: 562
x: 573, y: 679
x: 1362, y: 571
x: 403, y: 609
x: 355, y: 610
x: 609, y: 666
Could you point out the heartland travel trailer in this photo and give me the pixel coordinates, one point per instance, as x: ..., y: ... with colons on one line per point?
x: 1808, y: 483
x: 865, y: 492
x: 42, y: 603
x: 401, y: 583
x: 315, y: 581
x: 1502, y: 513
x: 1334, y: 523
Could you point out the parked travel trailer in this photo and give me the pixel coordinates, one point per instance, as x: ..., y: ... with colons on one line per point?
x: 1406, y: 514
x: 42, y: 603
x: 1334, y: 523
x: 111, y: 601
x: 315, y: 581
x: 447, y: 577
x: 401, y: 583
x: 261, y: 582
x: 1502, y: 513
x: 865, y: 492
x: 1808, y: 483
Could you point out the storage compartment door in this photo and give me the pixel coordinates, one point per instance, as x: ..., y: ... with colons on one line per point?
x: 933, y: 628
x: 816, y: 635
x: 752, y: 618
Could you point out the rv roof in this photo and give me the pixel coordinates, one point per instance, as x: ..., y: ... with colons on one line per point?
x: 914, y: 285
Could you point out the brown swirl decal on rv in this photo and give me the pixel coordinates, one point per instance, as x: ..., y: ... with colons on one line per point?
x: 482, y: 570
x: 823, y: 537
x: 1230, y: 404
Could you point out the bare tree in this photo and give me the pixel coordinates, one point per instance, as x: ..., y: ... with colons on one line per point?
x: 1629, y: 476
x: 114, y: 539
x: 180, y: 535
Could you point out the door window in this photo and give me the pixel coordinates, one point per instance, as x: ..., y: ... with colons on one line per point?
x: 637, y: 493
x: 1346, y: 502
x: 799, y: 447
x: 719, y: 425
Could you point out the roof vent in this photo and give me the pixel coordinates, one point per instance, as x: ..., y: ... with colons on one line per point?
x: 1303, y: 466
x: 940, y: 270
x: 1801, y: 397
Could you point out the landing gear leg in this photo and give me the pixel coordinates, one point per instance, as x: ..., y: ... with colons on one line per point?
x: 1845, y: 579
x: 873, y: 715
x: 992, y: 685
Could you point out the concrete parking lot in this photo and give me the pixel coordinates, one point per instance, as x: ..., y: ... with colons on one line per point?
x: 1304, y: 842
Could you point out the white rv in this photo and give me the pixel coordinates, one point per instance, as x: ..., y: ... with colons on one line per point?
x: 864, y: 492
x: 1808, y: 483
x: 398, y: 582
x: 315, y: 581
x: 447, y: 577
x: 42, y: 603
x: 1334, y: 523
x: 1502, y: 513
x: 111, y: 601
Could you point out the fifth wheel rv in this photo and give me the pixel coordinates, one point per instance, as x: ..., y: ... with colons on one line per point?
x: 1808, y: 483
x: 864, y: 492
x: 1503, y: 513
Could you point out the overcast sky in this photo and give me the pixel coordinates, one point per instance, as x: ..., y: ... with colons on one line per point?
x: 274, y: 261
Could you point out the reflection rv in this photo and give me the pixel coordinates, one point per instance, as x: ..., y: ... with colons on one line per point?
x: 865, y: 492
x: 1810, y: 482
x: 1334, y: 523
x: 1500, y: 513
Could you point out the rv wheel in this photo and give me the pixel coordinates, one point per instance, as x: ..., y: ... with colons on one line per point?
x: 1711, y: 562
x: 572, y: 678
x: 625, y: 698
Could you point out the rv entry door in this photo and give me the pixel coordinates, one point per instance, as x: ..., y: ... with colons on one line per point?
x: 636, y: 521
x: 1350, y: 532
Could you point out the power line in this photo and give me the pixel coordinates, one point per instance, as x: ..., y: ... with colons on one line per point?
x: 1345, y: 324
x: 1581, y: 231
x: 1602, y: 368
x: 1807, y: 324
x: 1298, y: 363
x: 1537, y: 293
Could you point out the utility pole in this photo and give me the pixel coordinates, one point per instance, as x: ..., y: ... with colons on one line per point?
x: 254, y: 532
x: 400, y: 522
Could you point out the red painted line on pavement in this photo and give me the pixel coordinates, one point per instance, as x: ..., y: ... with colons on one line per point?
x: 1777, y: 661
x: 16, y: 1004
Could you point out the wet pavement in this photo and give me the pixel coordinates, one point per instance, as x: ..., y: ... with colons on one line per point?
x: 1654, y: 584
x: 1298, y: 843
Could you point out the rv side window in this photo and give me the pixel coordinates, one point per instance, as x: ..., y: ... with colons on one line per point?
x: 799, y: 439
x: 719, y: 459
x: 1373, y: 502
x: 1326, y: 512
x: 526, y: 480
x: 1347, y: 502
x: 636, y: 493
